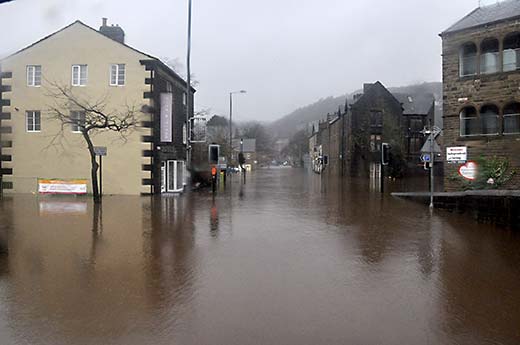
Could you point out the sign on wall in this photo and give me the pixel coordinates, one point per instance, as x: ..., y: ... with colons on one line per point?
x: 166, y: 117
x: 469, y: 170
x: 55, y: 186
x: 100, y: 150
x: 457, y: 154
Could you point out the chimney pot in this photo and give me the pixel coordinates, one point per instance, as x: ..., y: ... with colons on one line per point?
x: 104, y: 21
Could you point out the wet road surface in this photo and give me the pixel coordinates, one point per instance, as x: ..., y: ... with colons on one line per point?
x: 285, y: 259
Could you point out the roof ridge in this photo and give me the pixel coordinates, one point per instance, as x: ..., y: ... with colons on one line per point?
x: 482, y: 15
x: 77, y: 21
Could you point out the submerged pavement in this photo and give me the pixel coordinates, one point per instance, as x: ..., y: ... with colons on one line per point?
x: 285, y: 259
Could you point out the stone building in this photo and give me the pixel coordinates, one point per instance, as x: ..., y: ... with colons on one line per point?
x: 351, y: 139
x: 481, y: 84
x: 97, y: 66
x: 375, y: 117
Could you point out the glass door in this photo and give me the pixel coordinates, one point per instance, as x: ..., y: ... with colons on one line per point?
x: 174, y: 176
x: 163, y: 177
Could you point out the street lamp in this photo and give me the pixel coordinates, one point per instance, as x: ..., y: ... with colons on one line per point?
x: 230, y: 122
x: 188, y: 88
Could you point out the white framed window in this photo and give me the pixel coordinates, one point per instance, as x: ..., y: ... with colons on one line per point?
x: 33, y: 121
x: 117, y: 74
x: 77, y: 120
x: 34, y: 75
x: 79, y: 75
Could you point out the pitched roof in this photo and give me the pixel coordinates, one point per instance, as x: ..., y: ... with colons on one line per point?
x: 158, y: 61
x: 418, y: 104
x: 487, y: 14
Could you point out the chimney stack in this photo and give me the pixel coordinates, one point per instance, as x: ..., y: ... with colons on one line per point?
x: 114, y: 32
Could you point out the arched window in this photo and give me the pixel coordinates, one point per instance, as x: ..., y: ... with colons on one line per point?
x: 512, y: 118
x: 468, y: 60
x: 512, y: 52
x: 489, y: 119
x: 489, y: 56
x: 469, y: 124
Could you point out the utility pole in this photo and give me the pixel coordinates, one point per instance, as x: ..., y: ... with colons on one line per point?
x: 231, y: 123
x: 432, y: 131
x: 188, y: 89
x: 230, y: 128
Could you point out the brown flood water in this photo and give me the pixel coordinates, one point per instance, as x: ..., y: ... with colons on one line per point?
x: 283, y: 260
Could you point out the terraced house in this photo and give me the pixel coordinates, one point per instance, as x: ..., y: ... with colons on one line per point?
x: 481, y: 83
x: 98, y: 69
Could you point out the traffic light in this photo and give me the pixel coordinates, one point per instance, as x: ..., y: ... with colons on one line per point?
x: 325, y: 160
x: 385, y: 153
x: 214, y: 153
x: 241, y: 159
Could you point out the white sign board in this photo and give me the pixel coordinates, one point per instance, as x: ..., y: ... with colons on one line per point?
x: 457, y: 154
x: 100, y: 150
x: 166, y: 117
x: 52, y: 186
x: 469, y: 171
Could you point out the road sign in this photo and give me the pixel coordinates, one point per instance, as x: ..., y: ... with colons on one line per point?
x: 469, y: 170
x: 457, y: 154
x: 426, y: 157
x: 427, y: 146
x: 100, y: 150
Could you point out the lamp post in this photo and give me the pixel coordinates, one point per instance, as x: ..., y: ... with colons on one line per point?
x: 188, y: 88
x: 231, y: 121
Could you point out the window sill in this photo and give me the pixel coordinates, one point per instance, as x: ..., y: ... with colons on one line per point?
x: 487, y: 137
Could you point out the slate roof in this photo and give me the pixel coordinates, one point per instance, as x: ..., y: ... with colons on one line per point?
x: 487, y: 14
x: 152, y: 58
x: 419, y: 104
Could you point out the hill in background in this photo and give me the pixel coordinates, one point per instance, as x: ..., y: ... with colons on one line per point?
x: 301, y: 117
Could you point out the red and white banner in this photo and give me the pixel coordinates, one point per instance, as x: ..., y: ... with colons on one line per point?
x: 53, y: 186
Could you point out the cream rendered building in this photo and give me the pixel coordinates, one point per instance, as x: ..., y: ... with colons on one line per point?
x: 95, y: 67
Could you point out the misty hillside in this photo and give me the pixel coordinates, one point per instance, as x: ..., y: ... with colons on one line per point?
x: 298, y: 119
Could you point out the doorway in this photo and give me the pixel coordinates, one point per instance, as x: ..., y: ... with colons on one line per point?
x: 172, y: 176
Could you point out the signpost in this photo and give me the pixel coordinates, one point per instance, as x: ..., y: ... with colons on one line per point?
x: 100, y: 151
x: 429, y: 150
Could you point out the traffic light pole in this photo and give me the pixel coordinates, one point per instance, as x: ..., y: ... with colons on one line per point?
x: 432, y: 177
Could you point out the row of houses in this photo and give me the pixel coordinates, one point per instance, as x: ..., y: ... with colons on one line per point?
x: 51, y: 89
x: 481, y: 110
x: 351, y: 140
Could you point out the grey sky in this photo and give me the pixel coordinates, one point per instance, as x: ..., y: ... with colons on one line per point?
x: 285, y: 53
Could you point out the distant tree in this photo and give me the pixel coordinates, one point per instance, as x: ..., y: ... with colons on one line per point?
x: 94, y: 118
x: 264, y: 139
x: 297, y: 147
x: 217, y: 121
x: 178, y: 67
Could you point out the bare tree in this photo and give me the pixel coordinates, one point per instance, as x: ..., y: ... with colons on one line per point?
x: 89, y: 118
x: 178, y: 67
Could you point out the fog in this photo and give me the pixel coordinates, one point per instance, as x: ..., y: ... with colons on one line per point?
x: 286, y: 54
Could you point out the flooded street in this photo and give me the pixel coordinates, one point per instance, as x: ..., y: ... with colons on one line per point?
x: 285, y: 259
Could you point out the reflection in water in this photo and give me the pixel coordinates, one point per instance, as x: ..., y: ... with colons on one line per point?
x: 285, y: 259
x: 214, y: 218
